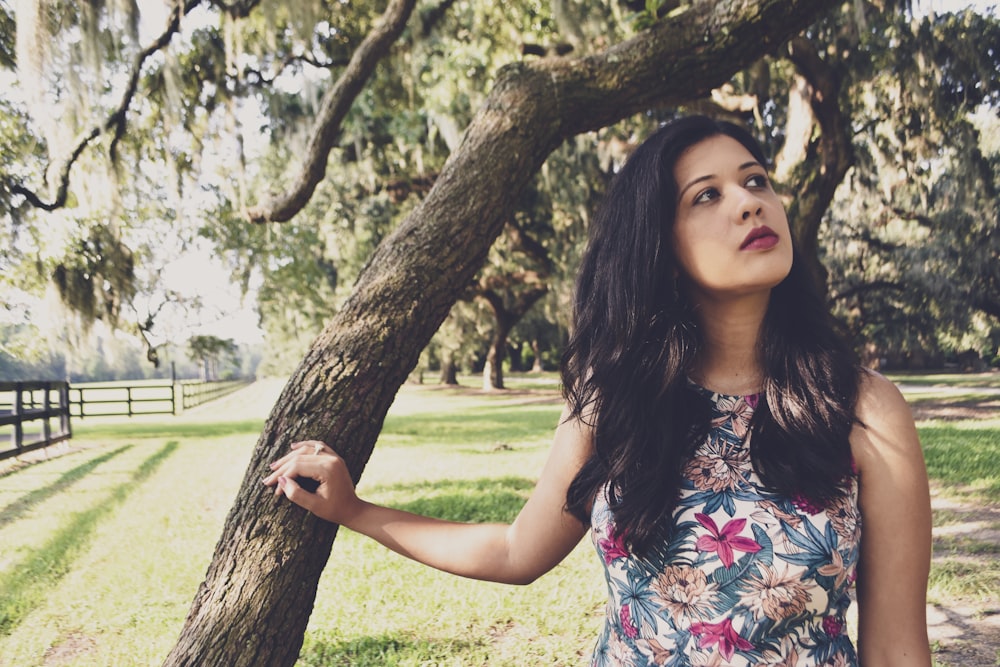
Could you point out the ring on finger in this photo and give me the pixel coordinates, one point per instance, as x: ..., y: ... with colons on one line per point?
x: 317, y: 448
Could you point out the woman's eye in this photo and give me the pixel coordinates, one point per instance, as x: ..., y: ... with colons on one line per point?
x: 706, y: 195
x: 757, y: 181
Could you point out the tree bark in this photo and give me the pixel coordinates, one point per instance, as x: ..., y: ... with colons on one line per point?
x: 258, y: 593
x: 825, y: 159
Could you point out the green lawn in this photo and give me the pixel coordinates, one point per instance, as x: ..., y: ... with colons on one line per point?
x: 103, y: 547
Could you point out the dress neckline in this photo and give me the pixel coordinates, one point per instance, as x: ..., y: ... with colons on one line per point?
x: 719, y: 395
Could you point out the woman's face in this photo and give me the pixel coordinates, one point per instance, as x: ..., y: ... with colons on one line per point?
x: 730, y: 233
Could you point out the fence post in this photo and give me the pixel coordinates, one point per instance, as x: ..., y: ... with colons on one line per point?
x: 64, y: 410
x: 79, y: 399
x: 46, y: 425
x: 18, y: 409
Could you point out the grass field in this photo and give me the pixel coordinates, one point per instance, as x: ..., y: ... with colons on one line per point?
x: 103, y: 547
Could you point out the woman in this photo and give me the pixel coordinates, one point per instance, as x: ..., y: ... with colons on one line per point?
x: 735, y: 468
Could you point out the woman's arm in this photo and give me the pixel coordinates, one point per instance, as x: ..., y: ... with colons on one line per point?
x: 540, y: 537
x: 896, y: 530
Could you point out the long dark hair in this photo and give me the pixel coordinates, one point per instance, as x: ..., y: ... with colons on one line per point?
x: 635, y: 339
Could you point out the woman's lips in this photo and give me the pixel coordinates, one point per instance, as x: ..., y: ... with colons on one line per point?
x: 759, y: 238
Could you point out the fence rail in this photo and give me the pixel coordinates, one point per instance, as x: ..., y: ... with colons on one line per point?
x: 122, y: 400
x: 196, y: 393
x: 148, y: 398
x: 27, y: 410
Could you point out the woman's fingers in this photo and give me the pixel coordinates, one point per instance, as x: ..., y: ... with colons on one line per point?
x: 316, y: 446
x: 319, y: 483
x: 295, y: 493
x: 311, y: 447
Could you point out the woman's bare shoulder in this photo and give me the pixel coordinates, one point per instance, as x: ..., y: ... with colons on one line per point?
x: 885, y: 422
x: 879, y: 398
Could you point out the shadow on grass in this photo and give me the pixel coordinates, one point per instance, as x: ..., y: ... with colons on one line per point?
x: 476, y: 500
x: 390, y: 649
x: 24, y: 585
x: 966, y: 460
x: 17, y: 508
x: 959, y: 640
x: 955, y: 408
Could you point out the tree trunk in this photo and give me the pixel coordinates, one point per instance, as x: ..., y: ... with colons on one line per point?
x: 536, y: 348
x: 823, y: 160
x: 493, y: 370
x: 253, y: 607
x: 449, y: 370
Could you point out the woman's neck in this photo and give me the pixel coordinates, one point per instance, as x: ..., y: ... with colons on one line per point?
x: 729, y: 361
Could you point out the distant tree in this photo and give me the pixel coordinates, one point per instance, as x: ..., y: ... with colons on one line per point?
x: 212, y: 353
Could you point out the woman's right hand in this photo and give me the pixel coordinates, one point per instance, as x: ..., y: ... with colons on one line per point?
x: 334, y: 499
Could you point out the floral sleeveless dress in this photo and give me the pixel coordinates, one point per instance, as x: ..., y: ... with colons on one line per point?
x: 748, y: 578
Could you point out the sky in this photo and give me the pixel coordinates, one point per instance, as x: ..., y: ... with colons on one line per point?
x: 228, y: 314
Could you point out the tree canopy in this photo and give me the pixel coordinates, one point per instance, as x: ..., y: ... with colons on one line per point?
x: 338, y: 119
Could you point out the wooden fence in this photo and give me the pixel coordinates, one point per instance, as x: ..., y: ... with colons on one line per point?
x: 27, y: 409
x: 146, y: 398
x: 28, y: 412
x: 117, y: 399
x: 196, y: 393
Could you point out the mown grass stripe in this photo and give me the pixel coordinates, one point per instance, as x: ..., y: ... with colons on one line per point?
x: 965, y: 460
x: 23, y: 586
x: 16, y: 509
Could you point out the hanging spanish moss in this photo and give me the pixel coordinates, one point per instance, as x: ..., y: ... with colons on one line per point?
x: 96, y: 277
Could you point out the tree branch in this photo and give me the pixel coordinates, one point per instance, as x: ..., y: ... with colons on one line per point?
x: 913, y: 216
x: 865, y: 288
x: 116, y: 121
x: 530, y: 246
x: 333, y: 109
x: 260, y: 80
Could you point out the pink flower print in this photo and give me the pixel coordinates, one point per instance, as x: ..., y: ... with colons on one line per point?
x: 724, y: 541
x: 628, y: 627
x: 751, y: 400
x: 833, y: 626
x: 613, y: 547
x: 723, y: 634
x: 803, y: 504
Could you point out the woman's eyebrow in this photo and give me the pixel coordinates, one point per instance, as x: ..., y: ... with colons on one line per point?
x: 707, y: 177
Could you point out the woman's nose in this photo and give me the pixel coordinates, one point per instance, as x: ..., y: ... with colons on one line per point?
x: 750, y: 207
